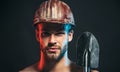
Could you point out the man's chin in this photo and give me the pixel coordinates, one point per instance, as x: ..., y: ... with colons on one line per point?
x: 52, y: 56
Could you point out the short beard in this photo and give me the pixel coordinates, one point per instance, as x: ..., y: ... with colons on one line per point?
x: 54, y: 58
x: 62, y: 53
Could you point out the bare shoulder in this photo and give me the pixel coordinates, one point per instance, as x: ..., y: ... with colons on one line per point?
x: 32, y: 68
x: 94, y: 71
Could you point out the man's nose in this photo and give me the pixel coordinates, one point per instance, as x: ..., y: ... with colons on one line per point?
x: 52, y: 39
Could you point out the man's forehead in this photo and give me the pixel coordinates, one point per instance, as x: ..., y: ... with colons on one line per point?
x: 51, y: 26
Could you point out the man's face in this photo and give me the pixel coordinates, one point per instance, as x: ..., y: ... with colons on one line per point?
x: 53, y: 39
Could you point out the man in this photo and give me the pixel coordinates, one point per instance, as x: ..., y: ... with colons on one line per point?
x: 54, y: 24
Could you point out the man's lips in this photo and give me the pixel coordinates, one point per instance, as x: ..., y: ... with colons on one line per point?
x: 52, y: 49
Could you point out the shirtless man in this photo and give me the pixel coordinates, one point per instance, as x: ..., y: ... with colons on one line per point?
x: 54, y: 24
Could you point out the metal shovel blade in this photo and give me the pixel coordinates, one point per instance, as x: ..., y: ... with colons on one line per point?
x: 88, y: 51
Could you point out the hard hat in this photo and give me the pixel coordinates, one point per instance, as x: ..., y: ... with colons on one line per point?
x: 54, y: 11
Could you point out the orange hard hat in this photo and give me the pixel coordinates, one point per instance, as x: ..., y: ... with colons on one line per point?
x: 54, y: 11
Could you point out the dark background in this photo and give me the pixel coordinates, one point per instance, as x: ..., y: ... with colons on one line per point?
x: 20, y: 48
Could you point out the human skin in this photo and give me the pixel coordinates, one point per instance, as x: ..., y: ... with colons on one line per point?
x: 53, y: 41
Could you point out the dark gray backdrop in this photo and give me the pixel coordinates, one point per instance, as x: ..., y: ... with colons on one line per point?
x: 20, y: 48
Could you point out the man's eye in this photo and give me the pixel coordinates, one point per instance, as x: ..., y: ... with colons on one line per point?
x: 45, y: 34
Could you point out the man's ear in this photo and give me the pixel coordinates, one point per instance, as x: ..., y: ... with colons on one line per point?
x: 37, y: 35
x: 70, y: 35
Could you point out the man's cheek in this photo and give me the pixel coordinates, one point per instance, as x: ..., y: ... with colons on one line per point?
x: 44, y: 43
x: 64, y: 42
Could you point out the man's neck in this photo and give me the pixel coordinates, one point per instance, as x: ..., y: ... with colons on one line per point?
x: 54, y: 66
